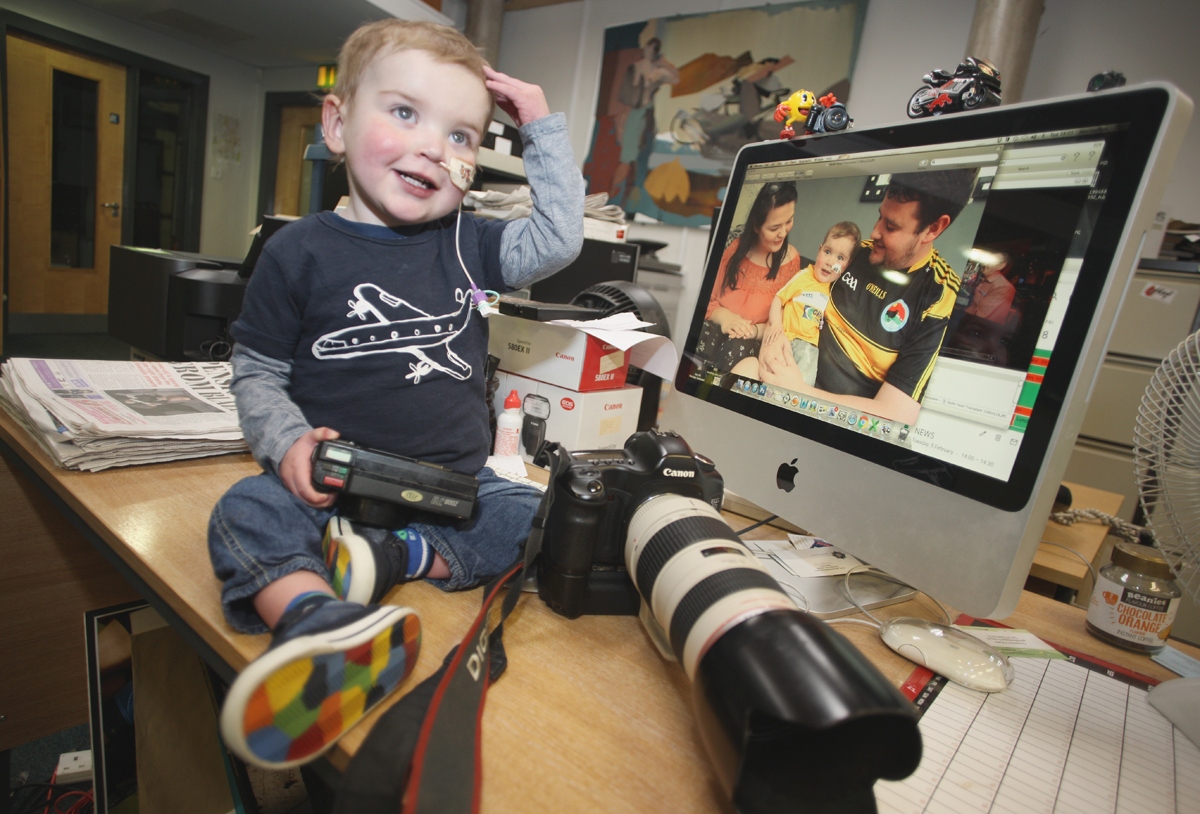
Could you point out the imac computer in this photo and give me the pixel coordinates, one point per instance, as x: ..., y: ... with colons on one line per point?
x: 926, y: 426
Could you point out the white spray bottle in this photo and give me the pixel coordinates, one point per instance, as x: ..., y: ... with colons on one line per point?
x: 508, y: 427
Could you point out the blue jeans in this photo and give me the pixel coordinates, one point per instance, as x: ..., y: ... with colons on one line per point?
x: 259, y: 532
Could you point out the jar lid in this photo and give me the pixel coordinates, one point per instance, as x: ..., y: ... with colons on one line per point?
x: 1142, y: 559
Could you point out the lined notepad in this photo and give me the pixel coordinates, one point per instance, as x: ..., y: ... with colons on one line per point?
x: 1067, y: 736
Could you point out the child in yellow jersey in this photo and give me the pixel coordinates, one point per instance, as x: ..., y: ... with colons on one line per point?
x: 798, y: 309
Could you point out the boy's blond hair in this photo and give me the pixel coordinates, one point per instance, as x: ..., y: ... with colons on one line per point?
x: 386, y: 37
x: 845, y: 229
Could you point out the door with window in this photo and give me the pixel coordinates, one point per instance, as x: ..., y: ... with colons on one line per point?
x: 66, y: 152
x: 293, y: 173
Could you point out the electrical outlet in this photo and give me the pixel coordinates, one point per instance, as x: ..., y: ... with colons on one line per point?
x: 74, y: 767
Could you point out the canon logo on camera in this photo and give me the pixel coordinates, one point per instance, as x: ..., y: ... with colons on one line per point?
x: 679, y: 473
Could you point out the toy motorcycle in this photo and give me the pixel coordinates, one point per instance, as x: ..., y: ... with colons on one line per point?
x: 974, y: 84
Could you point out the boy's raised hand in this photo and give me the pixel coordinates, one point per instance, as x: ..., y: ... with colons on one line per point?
x: 521, y: 100
x: 295, y: 470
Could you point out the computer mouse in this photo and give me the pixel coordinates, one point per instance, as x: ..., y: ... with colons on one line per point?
x: 948, y: 651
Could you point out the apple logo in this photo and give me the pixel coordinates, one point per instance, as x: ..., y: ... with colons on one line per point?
x: 785, y: 477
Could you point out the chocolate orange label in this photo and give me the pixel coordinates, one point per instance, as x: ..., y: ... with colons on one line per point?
x: 1130, y: 615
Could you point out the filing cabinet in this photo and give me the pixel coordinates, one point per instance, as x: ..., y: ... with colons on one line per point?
x: 1159, y: 312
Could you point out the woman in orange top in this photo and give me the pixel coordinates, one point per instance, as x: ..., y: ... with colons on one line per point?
x: 753, y: 270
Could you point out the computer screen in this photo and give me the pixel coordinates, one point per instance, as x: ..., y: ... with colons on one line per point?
x: 898, y: 328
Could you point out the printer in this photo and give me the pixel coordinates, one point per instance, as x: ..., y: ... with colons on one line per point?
x: 177, y: 306
x: 173, y: 306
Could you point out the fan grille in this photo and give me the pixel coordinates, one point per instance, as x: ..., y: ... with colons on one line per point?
x: 1167, y: 460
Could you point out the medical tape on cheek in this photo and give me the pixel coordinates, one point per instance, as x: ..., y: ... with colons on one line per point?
x: 461, y: 173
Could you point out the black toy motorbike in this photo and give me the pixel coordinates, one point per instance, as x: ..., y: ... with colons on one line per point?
x: 974, y: 84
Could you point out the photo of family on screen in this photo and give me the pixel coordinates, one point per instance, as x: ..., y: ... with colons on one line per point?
x: 854, y: 313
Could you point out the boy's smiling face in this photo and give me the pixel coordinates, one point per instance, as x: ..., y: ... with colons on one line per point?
x: 832, y: 258
x: 408, y: 115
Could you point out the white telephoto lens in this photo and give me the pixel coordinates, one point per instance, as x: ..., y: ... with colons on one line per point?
x: 697, y: 577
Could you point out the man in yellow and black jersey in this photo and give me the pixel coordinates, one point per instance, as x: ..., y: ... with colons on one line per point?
x: 888, y: 312
x: 884, y: 328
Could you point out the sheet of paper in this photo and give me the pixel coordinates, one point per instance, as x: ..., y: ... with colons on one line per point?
x: 1013, y: 643
x: 817, y: 562
x: 1067, y: 736
x: 801, y: 541
x: 1177, y: 662
x: 652, y: 353
x: 768, y: 547
x: 512, y: 464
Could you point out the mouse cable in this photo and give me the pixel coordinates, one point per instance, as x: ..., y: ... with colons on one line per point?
x: 846, y: 620
x: 1091, y: 567
x: 796, y: 595
x: 844, y: 587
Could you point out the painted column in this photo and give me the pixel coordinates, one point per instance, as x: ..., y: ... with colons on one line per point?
x: 484, y: 18
x: 1003, y: 32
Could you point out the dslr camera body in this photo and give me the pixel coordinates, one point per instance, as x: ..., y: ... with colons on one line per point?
x: 582, y: 567
x: 793, y: 716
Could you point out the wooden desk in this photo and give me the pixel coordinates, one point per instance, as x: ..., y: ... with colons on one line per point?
x: 588, y: 717
x: 1085, y: 537
x: 78, y: 541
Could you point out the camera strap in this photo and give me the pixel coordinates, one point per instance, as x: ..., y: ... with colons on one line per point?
x: 423, y: 755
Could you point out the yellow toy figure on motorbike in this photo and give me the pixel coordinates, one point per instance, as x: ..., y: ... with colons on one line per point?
x: 824, y: 115
x: 794, y: 109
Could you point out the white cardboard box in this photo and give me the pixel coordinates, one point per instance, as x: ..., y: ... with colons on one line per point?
x: 556, y: 354
x: 600, y: 419
x: 609, y: 230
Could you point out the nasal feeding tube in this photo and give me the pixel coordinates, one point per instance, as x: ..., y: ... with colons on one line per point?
x: 461, y: 175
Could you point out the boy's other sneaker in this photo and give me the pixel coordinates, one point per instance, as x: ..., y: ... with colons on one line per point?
x: 351, y: 560
x: 329, y: 664
x: 365, y: 562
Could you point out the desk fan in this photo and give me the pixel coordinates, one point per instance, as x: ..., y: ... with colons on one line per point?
x: 1167, y: 463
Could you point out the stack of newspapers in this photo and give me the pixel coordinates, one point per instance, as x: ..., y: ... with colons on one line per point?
x: 93, y: 415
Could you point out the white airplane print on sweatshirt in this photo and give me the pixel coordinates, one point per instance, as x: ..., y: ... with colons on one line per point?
x: 395, y: 326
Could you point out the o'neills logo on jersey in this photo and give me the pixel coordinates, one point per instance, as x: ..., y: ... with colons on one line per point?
x: 679, y: 473
x: 894, y: 316
x: 616, y: 406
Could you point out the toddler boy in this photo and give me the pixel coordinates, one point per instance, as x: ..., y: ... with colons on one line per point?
x: 364, y: 326
x: 799, y: 308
